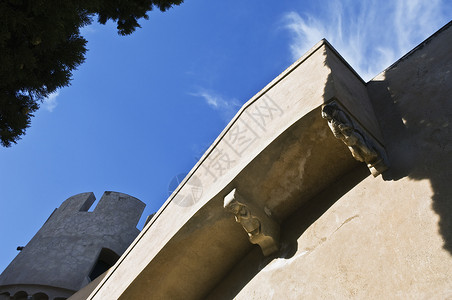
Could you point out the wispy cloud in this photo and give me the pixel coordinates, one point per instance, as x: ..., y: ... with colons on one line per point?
x: 369, y: 34
x: 50, y: 102
x: 227, y: 107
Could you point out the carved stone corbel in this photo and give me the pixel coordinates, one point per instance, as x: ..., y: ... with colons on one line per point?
x: 261, y: 228
x: 357, y: 141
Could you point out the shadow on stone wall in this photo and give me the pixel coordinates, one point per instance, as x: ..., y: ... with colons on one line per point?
x: 413, y: 103
x: 297, y: 223
x: 291, y: 229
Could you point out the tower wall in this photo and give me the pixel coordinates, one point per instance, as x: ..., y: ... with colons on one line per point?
x: 65, y: 250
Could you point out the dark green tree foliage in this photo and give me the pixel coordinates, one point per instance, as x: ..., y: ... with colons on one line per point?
x: 40, y: 46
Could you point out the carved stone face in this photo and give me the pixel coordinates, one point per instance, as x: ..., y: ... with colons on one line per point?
x: 327, y: 112
x: 234, y: 207
x: 243, y: 212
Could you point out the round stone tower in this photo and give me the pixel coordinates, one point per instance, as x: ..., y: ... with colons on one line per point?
x: 73, y: 247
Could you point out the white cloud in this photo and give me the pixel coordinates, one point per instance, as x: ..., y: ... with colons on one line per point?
x: 369, y: 34
x: 90, y: 29
x: 50, y: 102
x: 227, y: 107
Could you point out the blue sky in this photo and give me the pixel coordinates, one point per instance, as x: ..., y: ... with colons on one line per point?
x: 143, y: 108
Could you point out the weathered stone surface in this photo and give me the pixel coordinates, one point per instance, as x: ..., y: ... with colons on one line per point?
x: 59, y: 258
x: 274, y: 151
x: 346, y: 247
x: 362, y: 146
x: 383, y: 238
x: 259, y: 226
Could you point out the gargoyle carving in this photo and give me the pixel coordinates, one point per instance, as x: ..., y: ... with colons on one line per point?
x: 261, y: 229
x: 361, y: 147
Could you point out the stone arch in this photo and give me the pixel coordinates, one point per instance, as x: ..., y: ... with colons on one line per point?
x: 5, y: 296
x: 106, y: 259
x: 40, y: 296
x: 21, y: 295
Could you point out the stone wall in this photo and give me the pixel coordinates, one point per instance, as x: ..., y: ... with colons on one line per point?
x: 62, y: 254
x: 388, y: 237
x: 299, y: 192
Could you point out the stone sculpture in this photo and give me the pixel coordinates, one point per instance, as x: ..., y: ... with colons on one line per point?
x: 361, y: 147
x: 261, y: 228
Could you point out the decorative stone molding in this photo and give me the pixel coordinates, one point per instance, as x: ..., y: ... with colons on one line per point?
x: 260, y: 227
x: 357, y: 141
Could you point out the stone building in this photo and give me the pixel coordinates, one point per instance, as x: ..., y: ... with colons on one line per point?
x: 73, y: 247
x: 322, y: 186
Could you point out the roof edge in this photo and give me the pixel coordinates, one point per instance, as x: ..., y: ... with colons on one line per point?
x: 416, y: 48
